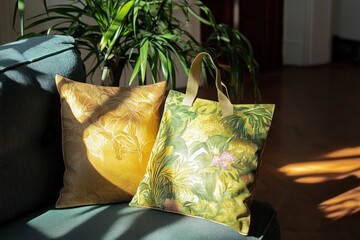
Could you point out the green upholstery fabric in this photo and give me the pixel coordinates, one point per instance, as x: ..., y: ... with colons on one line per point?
x: 31, y: 165
x: 119, y: 221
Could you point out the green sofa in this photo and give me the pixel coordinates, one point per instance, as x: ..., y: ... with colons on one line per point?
x: 31, y: 165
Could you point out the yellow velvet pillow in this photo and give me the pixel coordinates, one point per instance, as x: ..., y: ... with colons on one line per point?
x: 108, y: 134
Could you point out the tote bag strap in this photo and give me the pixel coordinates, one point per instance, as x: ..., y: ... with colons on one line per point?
x: 194, y: 81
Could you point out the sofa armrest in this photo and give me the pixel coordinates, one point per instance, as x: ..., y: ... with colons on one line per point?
x: 31, y: 165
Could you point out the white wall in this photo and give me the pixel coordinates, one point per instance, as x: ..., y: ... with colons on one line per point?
x: 7, y: 33
x: 295, y: 32
x: 307, y: 32
x: 346, y: 19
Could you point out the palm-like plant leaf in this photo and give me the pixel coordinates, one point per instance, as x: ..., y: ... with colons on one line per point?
x: 238, y: 52
x: 144, y: 34
x: 114, y: 30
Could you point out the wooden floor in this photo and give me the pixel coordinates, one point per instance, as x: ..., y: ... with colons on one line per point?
x: 310, y: 168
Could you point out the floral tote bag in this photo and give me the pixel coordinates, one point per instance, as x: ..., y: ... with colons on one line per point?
x: 206, y: 156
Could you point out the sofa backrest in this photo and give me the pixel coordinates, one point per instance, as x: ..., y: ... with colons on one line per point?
x: 31, y: 165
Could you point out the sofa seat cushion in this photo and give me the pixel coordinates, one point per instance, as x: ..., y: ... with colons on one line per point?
x: 119, y: 221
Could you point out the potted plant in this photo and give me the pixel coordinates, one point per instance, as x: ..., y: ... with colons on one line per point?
x: 145, y: 35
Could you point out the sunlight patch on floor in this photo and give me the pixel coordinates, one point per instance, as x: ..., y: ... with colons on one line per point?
x: 335, y: 165
x: 344, y: 153
x: 342, y: 205
x: 321, y: 171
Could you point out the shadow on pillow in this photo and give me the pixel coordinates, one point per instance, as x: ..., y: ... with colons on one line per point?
x: 108, y: 134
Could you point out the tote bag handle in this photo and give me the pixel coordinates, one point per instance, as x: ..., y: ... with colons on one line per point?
x: 194, y: 81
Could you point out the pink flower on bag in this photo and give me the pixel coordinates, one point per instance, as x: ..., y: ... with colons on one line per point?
x: 171, y: 205
x: 223, y: 160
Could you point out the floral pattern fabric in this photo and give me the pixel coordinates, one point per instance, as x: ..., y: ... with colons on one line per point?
x: 204, y: 164
x: 108, y: 134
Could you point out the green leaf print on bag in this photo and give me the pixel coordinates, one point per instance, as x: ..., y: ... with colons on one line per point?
x: 250, y: 122
x: 205, y: 164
